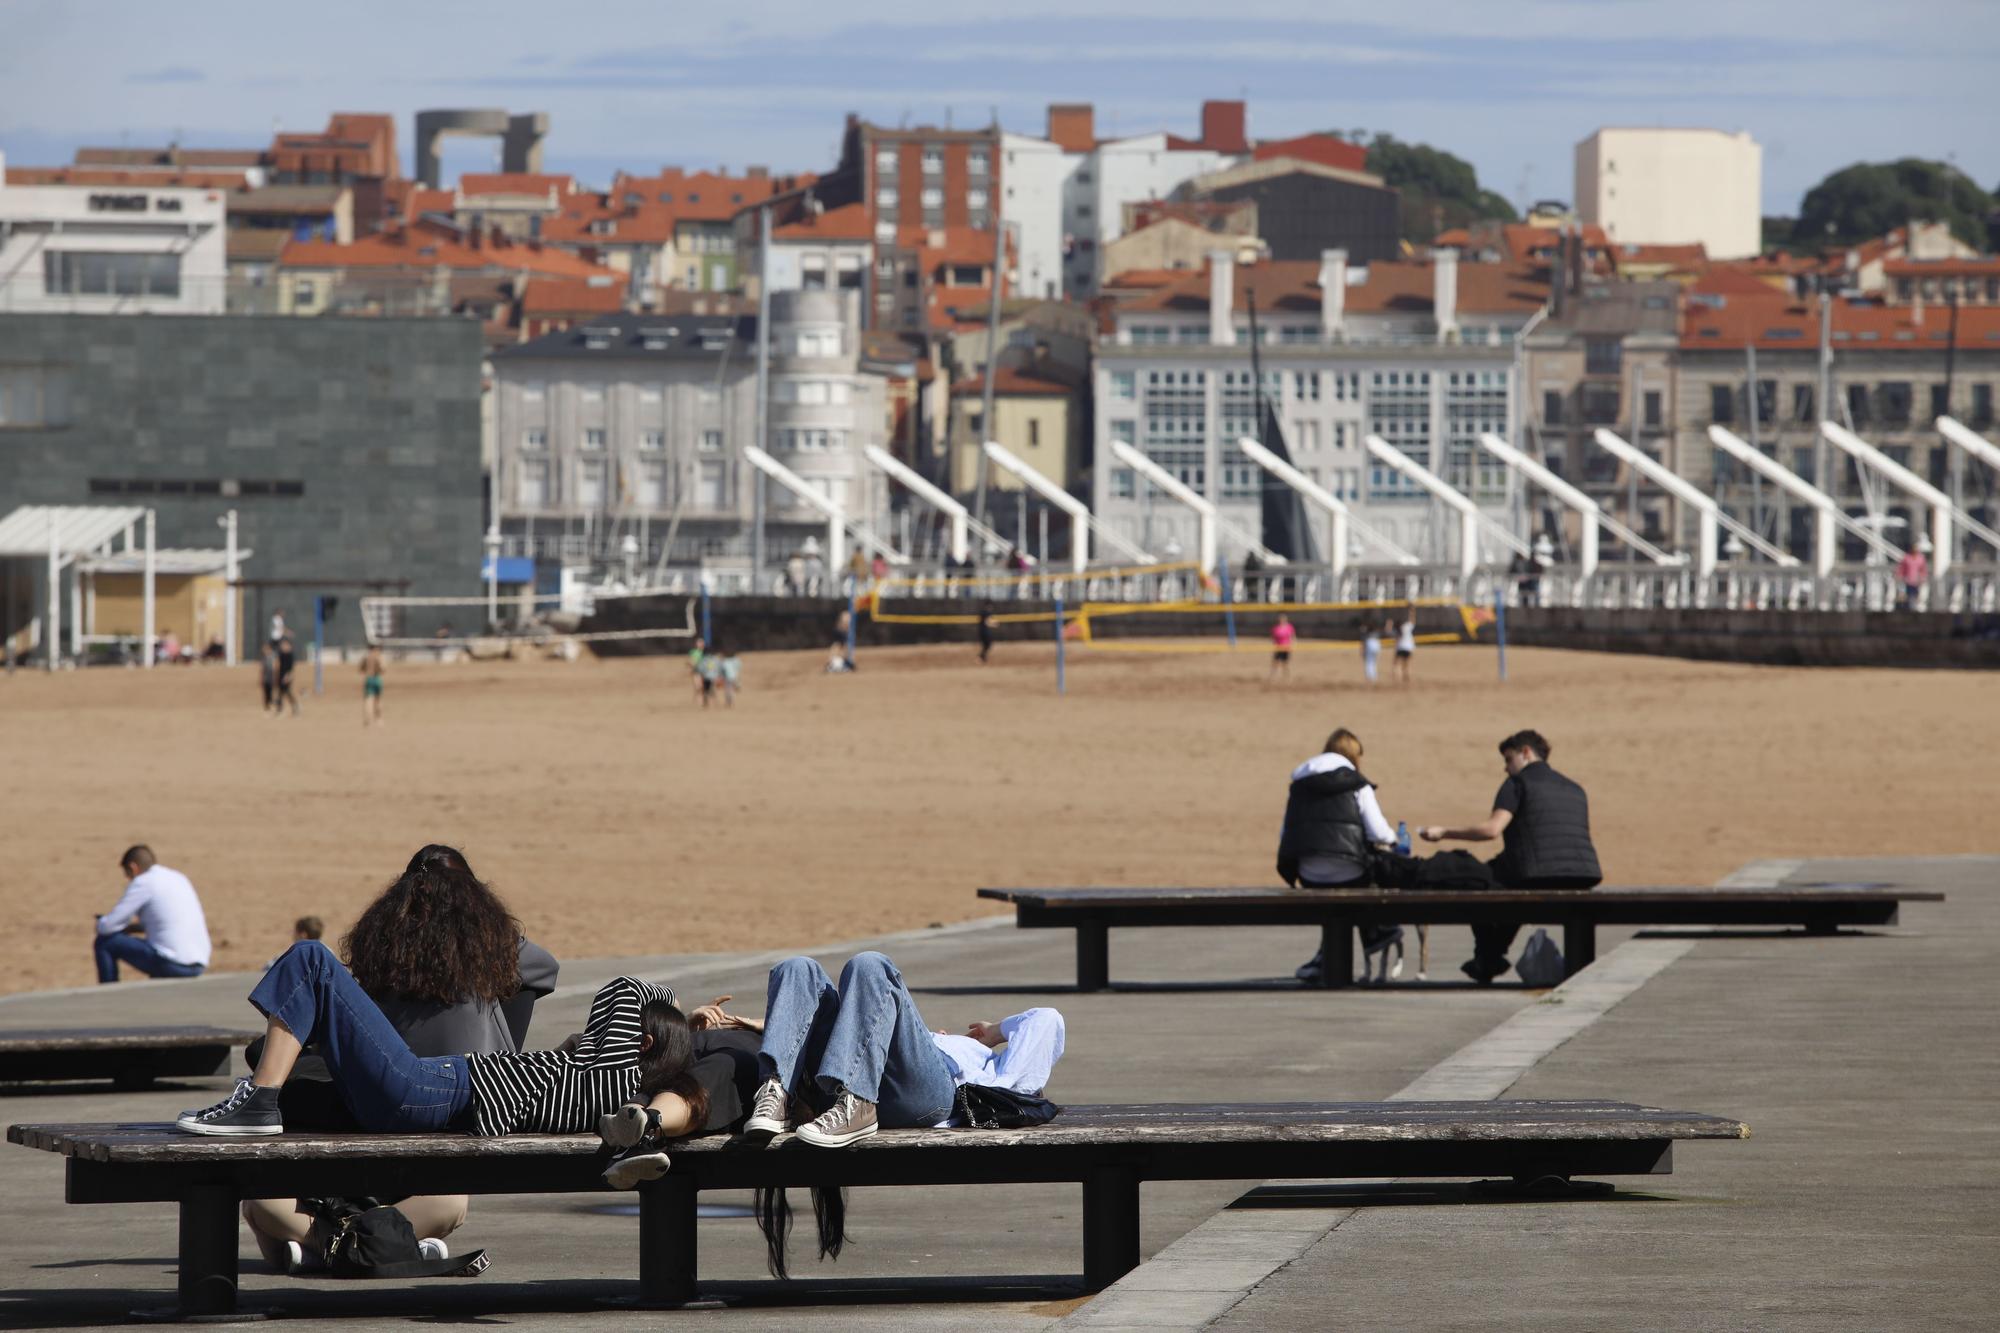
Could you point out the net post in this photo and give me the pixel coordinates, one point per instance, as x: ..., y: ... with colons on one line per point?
x: 1061, y: 687
x: 1500, y: 625
x: 1228, y: 606
x: 850, y: 623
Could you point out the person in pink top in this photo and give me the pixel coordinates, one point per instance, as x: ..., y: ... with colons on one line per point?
x: 1283, y: 634
x: 1913, y: 571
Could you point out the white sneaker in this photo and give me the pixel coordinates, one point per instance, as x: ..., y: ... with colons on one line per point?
x: 433, y: 1247
x: 627, y: 1125
x: 768, y: 1113
x: 1397, y: 970
x: 848, y: 1120
x: 636, y: 1165
x: 295, y: 1257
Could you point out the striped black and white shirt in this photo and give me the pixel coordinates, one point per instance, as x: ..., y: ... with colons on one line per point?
x: 563, y: 1092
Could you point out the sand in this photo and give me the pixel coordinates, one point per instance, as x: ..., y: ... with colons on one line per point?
x: 616, y: 817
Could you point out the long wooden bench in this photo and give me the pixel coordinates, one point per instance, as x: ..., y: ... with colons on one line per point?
x: 131, y: 1057
x: 1109, y: 1150
x: 1091, y: 913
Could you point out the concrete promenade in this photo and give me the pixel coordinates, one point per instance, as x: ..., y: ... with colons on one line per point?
x: 1867, y: 1199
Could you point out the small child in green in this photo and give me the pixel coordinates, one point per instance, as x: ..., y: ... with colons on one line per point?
x: 371, y: 686
x: 695, y: 654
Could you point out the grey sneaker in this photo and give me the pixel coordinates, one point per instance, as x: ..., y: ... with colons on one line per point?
x: 248, y: 1109
x: 1309, y: 970
x: 849, y: 1121
x: 433, y: 1247
x: 627, y: 1125
x: 770, y: 1113
x: 637, y: 1164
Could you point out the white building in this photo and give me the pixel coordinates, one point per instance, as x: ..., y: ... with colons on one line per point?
x: 1674, y: 187
x: 1418, y: 353
x: 119, y: 249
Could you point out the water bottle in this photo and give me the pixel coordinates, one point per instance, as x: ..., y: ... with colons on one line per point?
x: 1402, y: 838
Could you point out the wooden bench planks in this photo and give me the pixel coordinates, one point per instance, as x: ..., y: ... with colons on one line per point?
x: 1109, y: 1150
x: 1092, y: 912
x: 130, y: 1057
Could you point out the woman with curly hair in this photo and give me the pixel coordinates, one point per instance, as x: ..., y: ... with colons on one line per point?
x: 446, y: 963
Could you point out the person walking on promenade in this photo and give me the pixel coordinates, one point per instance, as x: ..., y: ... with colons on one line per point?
x: 1332, y: 821
x: 174, y: 942
x: 1371, y: 649
x: 1913, y: 571
x: 1406, y: 644
x: 985, y: 631
x: 1283, y: 635
x: 371, y: 686
x: 1543, y: 821
x: 287, y: 663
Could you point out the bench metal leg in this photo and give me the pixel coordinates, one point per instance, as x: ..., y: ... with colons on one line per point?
x: 1110, y: 1225
x: 667, y: 1241
x: 1093, y: 956
x: 208, y: 1250
x: 1336, y: 954
x: 1579, y: 946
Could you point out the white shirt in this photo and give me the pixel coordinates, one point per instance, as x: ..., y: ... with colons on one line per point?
x: 1406, y: 637
x: 1333, y: 869
x: 1024, y: 1064
x: 168, y: 911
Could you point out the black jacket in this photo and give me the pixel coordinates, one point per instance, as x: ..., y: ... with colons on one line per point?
x: 1548, y: 842
x: 1323, y: 818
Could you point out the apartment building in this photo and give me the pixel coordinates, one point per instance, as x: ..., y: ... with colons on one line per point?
x: 1420, y: 353
x: 112, y: 249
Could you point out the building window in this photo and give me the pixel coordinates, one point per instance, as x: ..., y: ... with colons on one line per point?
x: 819, y: 342
x: 977, y: 162
x: 711, y: 441
x: 1124, y: 483
x: 1940, y: 401
x: 1034, y: 432
x: 933, y: 161
x: 32, y: 396
x: 1802, y: 403
x: 532, y: 390
x: 1722, y: 403
x: 1305, y: 385
x: 593, y: 437
x: 1895, y: 398
x: 1400, y: 412
x: 1475, y: 403
x: 965, y: 275
x: 1857, y: 403
x: 1602, y: 356
x: 590, y: 481
x: 885, y: 301
x: 1767, y: 401
x: 885, y: 232
x: 812, y: 272
x: 712, y: 484
x: 1123, y: 385
x: 885, y: 267
x: 1552, y: 407
x: 110, y: 273
x: 932, y: 197
x: 652, y: 440
x: 531, y: 484
x: 847, y: 271
x: 535, y: 439
x: 1176, y: 424
x: 886, y: 198
x: 1982, y: 405
x: 885, y: 159
x: 653, y: 485
x: 1601, y: 403
x: 1242, y: 414
x: 1142, y: 335
x: 1652, y: 407
x: 975, y: 198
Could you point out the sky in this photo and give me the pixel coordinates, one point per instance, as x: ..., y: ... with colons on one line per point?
x: 1512, y: 87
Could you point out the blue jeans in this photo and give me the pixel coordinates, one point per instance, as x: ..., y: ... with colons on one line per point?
x: 385, y: 1086
x: 865, y: 1036
x: 138, y: 953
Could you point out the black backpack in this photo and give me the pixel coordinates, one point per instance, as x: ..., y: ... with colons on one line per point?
x: 366, y: 1238
x: 982, y: 1107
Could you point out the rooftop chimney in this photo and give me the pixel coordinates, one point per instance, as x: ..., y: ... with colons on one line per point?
x: 1073, y: 126
x: 1444, y: 294
x: 1222, y: 126
x: 1332, y: 295
x: 1221, y: 298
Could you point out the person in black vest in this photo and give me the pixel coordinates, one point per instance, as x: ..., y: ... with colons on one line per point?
x: 1543, y: 821
x: 1332, y: 820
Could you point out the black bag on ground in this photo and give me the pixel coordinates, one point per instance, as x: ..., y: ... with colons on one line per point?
x: 982, y: 1107
x: 365, y: 1238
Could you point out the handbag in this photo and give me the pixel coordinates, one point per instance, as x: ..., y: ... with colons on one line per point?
x: 983, y: 1107
x: 366, y: 1238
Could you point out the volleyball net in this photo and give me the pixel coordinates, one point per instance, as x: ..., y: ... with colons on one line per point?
x: 483, y: 627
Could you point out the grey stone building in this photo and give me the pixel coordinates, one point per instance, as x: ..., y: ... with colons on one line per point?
x: 349, y: 448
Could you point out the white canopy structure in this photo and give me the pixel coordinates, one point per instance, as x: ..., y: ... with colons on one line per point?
x: 1592, y: 513
x: 1469, y: 516
x: 1943, y: 512
x: 1978, y: 446
x: 1827, y: 515
x: 1341, y: 519
x: 837, y: 522
x: 963, y: 524
x: 1207, y: 519
x: 1709, y: 514
x: 1081, y: 522
x: 68, y: 533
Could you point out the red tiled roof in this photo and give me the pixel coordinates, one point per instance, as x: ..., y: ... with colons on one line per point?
x: 1778, y: 321
x: 1524, y: 240
x: 1325, y: 149
x: 1139, y: 279
x: 1011, y: 382
x: 198, y: 159
x: 700, y: 196
x: 411, y: 200
x: 572, y: 296
x: 1676, y: 256
x: 1731, y: 280
x: 591, y: 219
x: 430, y: 245
x: 476, y: 184
x: 1392, y: 287
x: 1457, y: 238
x: 156, y: 180
x: 849, y: 222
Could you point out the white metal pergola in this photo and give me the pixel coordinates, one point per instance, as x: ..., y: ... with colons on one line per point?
x: 1082, y: 524
x: 1207, y: 518
x: 1943, y: 512
x: 1595, y: 520
x: 1709, y: 515
x: 837, y: 522
x: 1470, y: 518
x: 65, y: 534
x: 963, y: 526
x: 1827, y: 515
x: 1341, y: 519
x: 1975, y: 444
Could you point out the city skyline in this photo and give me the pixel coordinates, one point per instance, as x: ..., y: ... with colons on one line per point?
x: 1820, y: 86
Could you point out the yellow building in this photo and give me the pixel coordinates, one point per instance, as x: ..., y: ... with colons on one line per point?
x: 1037, y: 419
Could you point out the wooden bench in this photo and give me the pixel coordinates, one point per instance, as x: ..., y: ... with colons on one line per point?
x: 1109, y: 1150
x: 1819, y: 908
x: 130, y: 1057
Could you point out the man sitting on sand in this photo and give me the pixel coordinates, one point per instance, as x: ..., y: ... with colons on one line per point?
x: 163, y: 902
x: 1543, y: 819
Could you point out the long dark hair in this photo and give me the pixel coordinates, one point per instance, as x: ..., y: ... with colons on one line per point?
x: 664, y: 1065
x: 774, y: 1219
x: 437, y: 934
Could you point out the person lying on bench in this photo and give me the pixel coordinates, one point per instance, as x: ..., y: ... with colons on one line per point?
x: 1543, y: 820
x: 636, y: 1039
x: 445, y: 960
